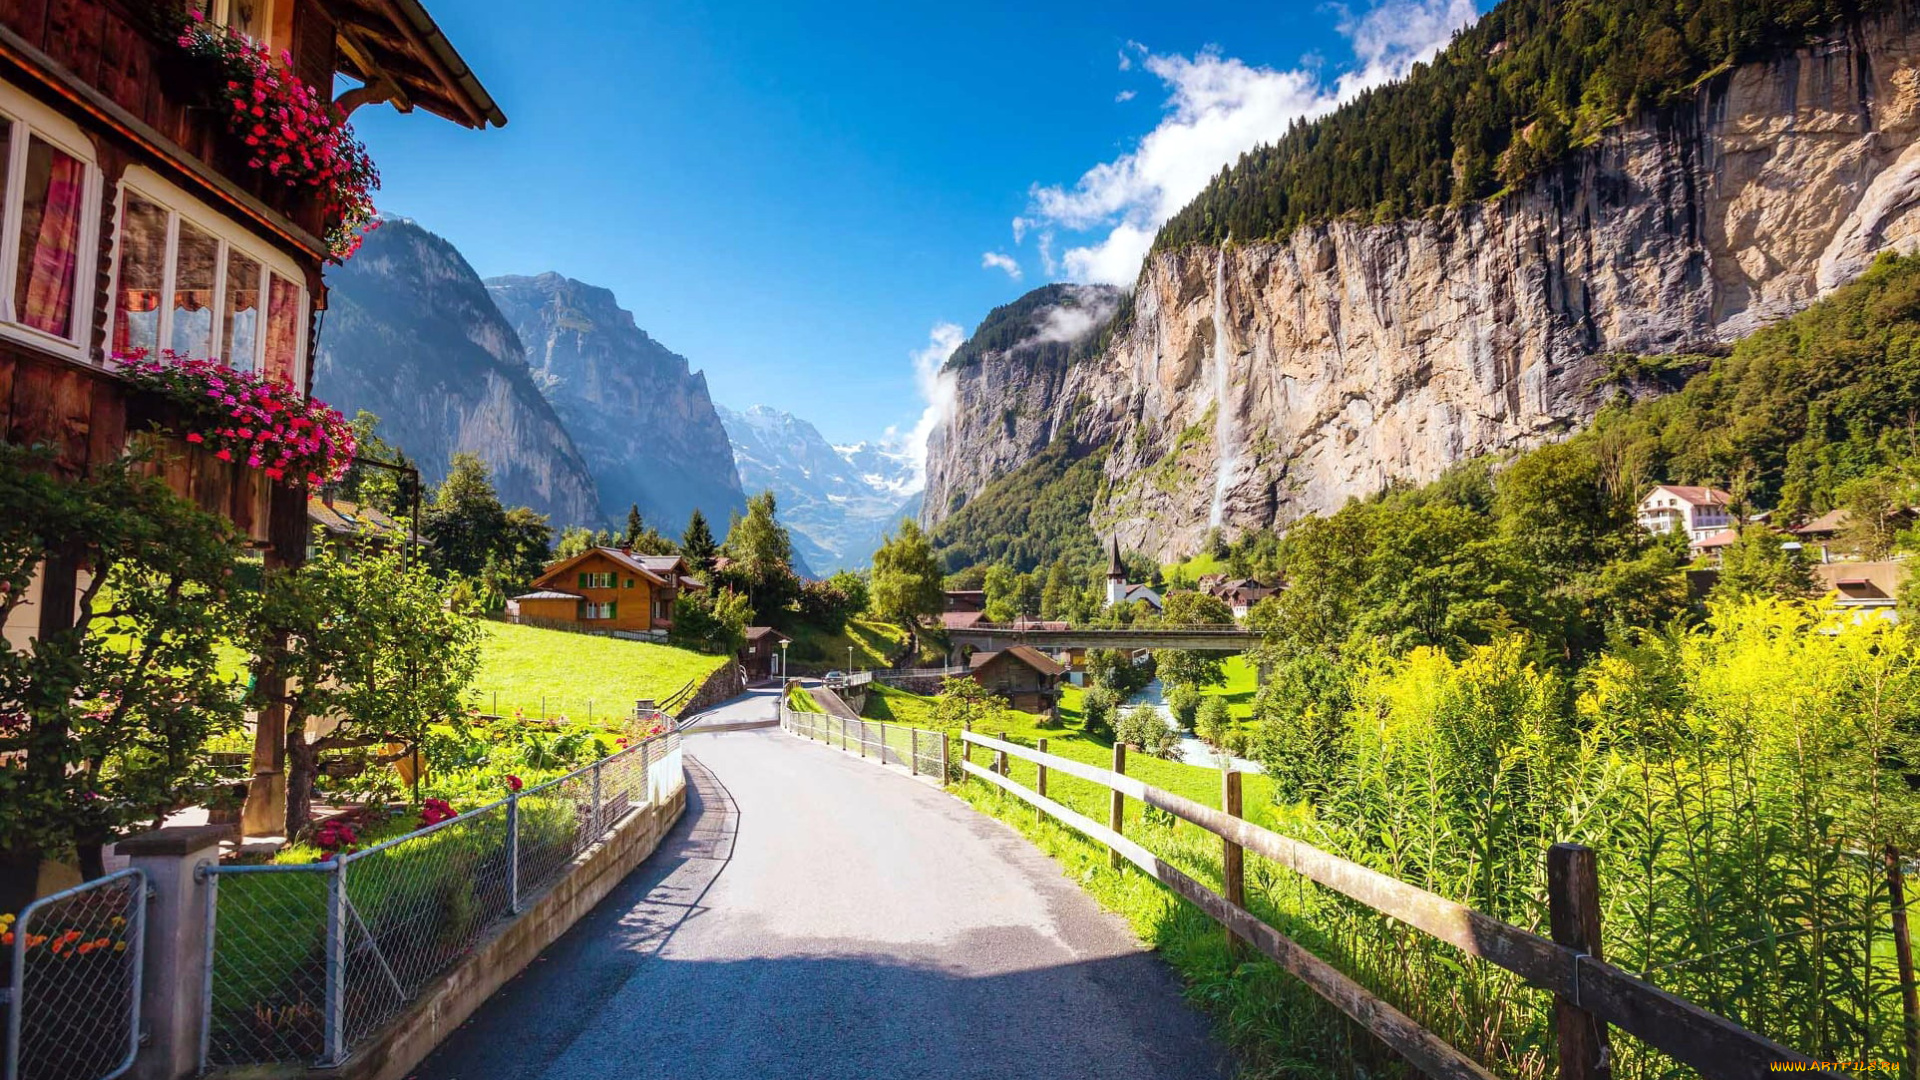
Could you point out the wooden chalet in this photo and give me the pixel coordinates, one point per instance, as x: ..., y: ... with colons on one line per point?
x: 132, y: 218
x: 760, y: 656
x: 610, y: 590
x: 1028, y: 678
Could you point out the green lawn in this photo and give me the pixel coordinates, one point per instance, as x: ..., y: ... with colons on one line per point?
x: 1242, y: 683
x: 875, y: 643
x: 1188, y: 571
x: 551, y: 672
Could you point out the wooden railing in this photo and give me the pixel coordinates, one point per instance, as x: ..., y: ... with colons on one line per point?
x: 1589, y: 993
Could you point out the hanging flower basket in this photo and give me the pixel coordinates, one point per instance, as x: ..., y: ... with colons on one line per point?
x: 290, y: 130
x: 245, y: 417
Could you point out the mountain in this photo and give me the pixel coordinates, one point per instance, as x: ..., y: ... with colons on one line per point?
x: 641, y: 417
x: 1344, y: 348
x: 835, y: 500
x: 411, y: 335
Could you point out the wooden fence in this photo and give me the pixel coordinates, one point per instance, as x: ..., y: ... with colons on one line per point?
x: 1589, y: 993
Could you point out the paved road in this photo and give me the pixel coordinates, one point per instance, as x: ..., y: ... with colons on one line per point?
x: 815, y: 915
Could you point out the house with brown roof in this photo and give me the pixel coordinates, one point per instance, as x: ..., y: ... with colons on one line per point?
x: 760, y: 656
x: 350, y: 525
x: 1699, y: 512
x: 607, y: 590
x: 1028, y: 678
x: 966, y: 600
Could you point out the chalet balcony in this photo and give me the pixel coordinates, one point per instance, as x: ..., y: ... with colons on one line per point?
x: 120, y: 56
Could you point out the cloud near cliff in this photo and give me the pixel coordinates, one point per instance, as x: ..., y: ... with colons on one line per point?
x: 1218, y: 107
x: 936, y: 390
x: 995, y: 260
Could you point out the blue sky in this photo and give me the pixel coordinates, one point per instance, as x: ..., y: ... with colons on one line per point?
x: 801, y: 198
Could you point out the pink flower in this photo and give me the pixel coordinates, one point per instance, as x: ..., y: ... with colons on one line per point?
x: 195, y: 437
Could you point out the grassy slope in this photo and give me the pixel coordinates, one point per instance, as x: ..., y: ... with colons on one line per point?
x: 874, y: 643
x: 522, y: 664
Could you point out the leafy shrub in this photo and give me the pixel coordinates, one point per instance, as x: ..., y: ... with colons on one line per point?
x: 1097, y: 709
x: 1214, y: 721
x: 1183, y: 701
x: 1143, y: 727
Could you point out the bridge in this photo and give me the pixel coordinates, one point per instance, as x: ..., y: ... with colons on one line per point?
x: 1206, y: 638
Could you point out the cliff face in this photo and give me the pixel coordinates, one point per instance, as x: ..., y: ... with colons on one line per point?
x: 411, y: 335
x: 1258, y: 383
x: 640, y: 416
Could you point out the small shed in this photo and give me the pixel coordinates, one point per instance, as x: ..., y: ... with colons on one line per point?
x: 1028, y: 678
x: 760, y: 656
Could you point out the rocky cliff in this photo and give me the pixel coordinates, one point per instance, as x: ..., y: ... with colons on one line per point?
x: 1252, y: 384
x: 639, y: 414
x: 411, y: 335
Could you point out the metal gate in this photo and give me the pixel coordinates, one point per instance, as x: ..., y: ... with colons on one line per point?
x: 72, y: 995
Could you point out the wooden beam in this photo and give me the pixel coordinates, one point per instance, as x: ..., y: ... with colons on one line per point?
x: 1426, y: 1051
x: 438, y: 66
x: 1711, y: 1043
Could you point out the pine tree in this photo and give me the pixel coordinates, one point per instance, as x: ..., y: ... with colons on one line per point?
x: 697, y: 542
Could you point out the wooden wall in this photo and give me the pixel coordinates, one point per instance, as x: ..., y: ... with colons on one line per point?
x: 118, y: 47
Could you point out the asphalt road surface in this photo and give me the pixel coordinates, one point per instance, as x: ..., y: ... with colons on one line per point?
x: 816, y: 915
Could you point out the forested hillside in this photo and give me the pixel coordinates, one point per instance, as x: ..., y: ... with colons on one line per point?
x: 1033, y: 515
x: 1512, y: 94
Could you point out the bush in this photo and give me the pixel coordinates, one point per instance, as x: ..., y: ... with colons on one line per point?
x: 1183, y: 702
x: 1143, y: 727
x: 1214, y: 722
x: 1097, y: 709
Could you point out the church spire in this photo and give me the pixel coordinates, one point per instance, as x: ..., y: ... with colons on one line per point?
x: 1116, y: 569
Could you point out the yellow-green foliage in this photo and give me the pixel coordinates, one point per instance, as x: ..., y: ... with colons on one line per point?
x: 1738, y: 783
x: 875, y: 644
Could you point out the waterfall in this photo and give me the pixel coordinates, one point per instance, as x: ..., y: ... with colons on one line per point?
x: 1225, y: 427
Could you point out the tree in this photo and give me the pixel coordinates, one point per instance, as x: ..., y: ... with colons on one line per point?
x: 1143, y: 728
x: 103, y: 721
x: 1194, y: 667
x: 1214, y: 721
x: 466, y: 523
x: 384, y: 489
x: 371, y: 642
x: 1760, y: 564
x: 760, y: 557
x: 697, y: 543
x: 711, y: 619
x: 578, y: 540
x: 644, y: 539
x: 906, y: 580
x: 963, y: 704
x: 1009, y: 594
x: 1183, y: 702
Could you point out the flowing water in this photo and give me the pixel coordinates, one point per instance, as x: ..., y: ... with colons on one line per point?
x: 1226, y: 435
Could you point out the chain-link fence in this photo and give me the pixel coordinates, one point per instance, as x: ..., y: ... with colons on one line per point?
x: 73, y: 992
x: 918, y: 750
x: 305, y: 963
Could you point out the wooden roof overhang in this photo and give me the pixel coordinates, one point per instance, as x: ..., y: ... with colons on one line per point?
x: 397, y: 52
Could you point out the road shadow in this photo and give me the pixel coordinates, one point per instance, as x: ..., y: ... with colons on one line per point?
x: 603, y: 1002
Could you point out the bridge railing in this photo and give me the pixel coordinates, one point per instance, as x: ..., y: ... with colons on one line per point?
x: 1590, y: 994
x: 918, y: 750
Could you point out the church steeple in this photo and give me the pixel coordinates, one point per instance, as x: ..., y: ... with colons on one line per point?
x: 1116, y: 569
x: 1116, y: 576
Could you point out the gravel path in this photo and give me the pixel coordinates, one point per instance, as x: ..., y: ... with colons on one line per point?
x: 815, y: 915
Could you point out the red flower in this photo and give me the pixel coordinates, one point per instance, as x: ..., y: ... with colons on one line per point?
x: 513, y: 783
x: 195, y: 437
x: 223, y: 454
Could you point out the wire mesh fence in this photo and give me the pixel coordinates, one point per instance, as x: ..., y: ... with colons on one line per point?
x: 307, y: 962
x: 73, y: 1002
x: 918, y: 750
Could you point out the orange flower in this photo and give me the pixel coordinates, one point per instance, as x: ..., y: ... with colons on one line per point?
x: 6, y: 938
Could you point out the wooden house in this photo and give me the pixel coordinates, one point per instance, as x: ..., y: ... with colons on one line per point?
x: 611, y: 590
x: 134, y: 215
x: 1028, y: 678
x: 760, y: 656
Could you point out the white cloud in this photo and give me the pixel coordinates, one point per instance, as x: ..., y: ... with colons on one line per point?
x: 936, y: 390
x: 1125, y: 96
x: 994, y: 260
x: 1217, y: 108
x: 1070, y: 323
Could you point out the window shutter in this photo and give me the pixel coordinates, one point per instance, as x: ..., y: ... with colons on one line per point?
x: 583, y: 579
x: 613, y: 609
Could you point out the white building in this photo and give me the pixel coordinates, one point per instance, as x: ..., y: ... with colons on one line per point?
x: 1697, y: 511
x: 1118, y: 591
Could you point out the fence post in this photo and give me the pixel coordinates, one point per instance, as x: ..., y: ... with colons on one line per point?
x: 966, y: 748
x: 1903, y: 955
x: 1573, y: 914
x: 913, y: 758
x: 176, y: 947
x: 513, y: 852
x: 1000, y: 756
x: 596, y: 799
x: 883, y: 742
x: 1233, y: 879
x: 336, y: 1033
x: 1040, y: 779
x: 1117, y: 805
x: 946, y: 767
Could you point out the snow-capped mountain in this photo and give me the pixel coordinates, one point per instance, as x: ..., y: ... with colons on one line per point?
x: 836, y: 500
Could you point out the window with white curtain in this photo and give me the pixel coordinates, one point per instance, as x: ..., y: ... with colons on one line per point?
x: 186, y: 281
x: 47, y: 245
